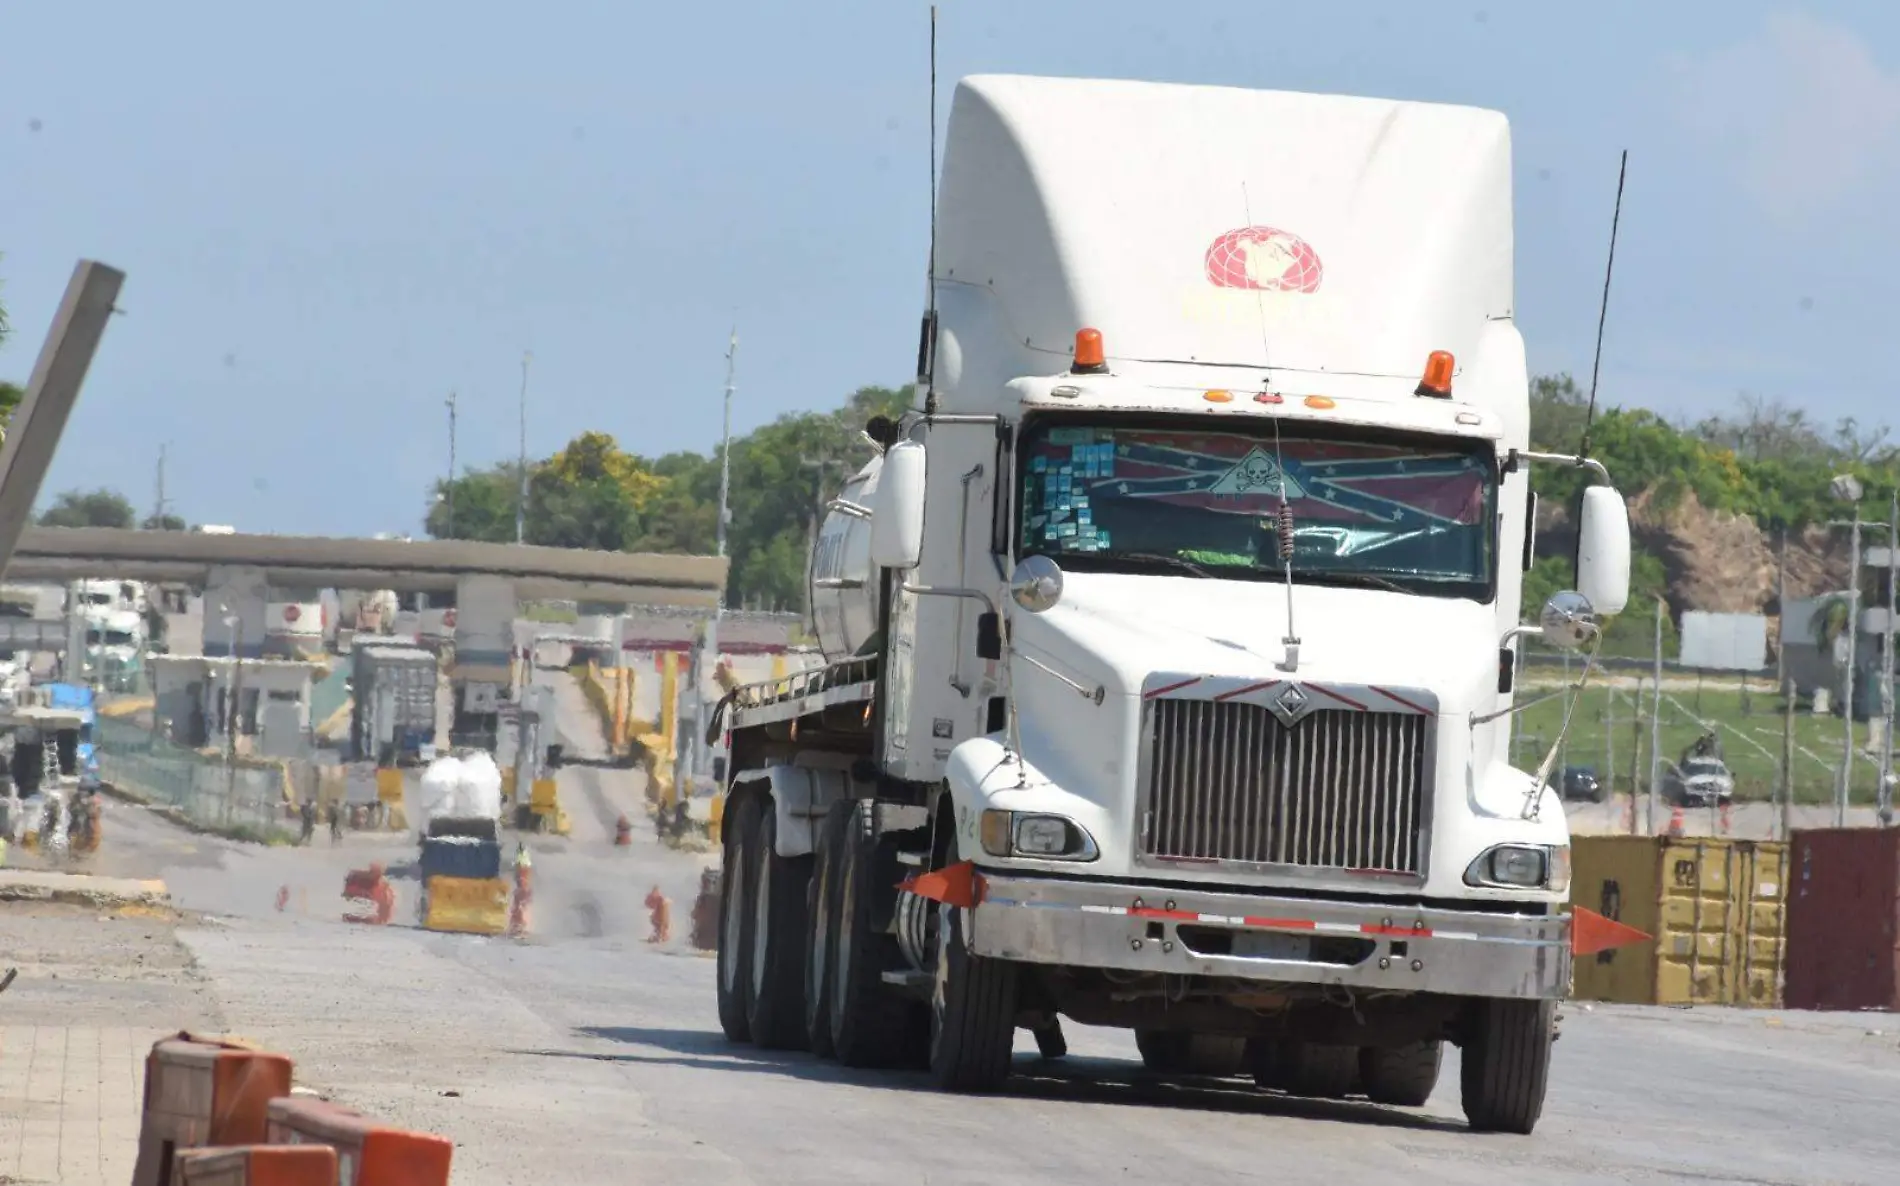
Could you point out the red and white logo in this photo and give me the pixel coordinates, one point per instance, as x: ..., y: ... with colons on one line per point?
x: 448, y: 618
x: 291, y: 614
x: 1264, y: 259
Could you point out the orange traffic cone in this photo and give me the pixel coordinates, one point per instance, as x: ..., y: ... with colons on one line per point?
x: 1675, y: 822
x: 283, y: 898
x: 1728, y: 817
x: 623, y: 831
x: 662, y: 911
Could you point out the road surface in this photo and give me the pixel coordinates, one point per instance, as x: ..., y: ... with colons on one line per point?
x: 586, y: 1055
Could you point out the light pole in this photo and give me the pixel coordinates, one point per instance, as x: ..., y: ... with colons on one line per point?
x: 1847, y: 488
x: 521, y: 456
x: 448, y: 489
x: 1884, y: 796
x: 699, y: 741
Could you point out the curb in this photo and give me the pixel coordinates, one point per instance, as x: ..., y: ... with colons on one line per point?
x: 70, y: 889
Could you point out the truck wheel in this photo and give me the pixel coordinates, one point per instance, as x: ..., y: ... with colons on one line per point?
x: 1401, y: 1075
x: 735, y: 919
x: 973, y: 1012
x: 1176, y: 1052
x: 1506, y: 1064
x: 1306, y: 1068
x: 776, y: 1018
x: 819, y: 959
x: 870, y: 1022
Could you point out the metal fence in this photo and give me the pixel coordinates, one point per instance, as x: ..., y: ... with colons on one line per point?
x: 206, y: 790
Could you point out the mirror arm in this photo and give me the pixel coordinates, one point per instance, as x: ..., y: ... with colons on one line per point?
x: 989, y: 602
x: 1589, y: 463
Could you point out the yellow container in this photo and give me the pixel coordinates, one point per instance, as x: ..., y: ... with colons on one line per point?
x: 1717, y: 909
x: 467, y: 905
x: 508, y: 783
x: 542, y: 800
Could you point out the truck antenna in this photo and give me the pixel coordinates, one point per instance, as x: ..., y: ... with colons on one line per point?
x: 1603, y: 310
x: 1283, y: 518
x: 928, y: 347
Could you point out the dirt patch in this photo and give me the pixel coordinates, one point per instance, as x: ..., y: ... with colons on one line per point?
x: 86, y: 966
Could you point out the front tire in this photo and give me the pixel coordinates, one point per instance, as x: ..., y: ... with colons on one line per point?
x: 973, y: 1012
x: 736, y: 909
x: 776, y: 1016
x: 1403, y: 1076
x: 1506, y: 1064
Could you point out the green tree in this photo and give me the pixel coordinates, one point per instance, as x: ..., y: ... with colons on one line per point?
x: 483, y: 506
x: 89, y: 508
x: 162, y: 523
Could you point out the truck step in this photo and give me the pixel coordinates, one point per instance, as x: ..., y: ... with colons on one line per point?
x: 914, y: 859
x: 910, y: 980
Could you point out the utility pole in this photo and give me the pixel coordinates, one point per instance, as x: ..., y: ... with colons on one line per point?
x: 821, y: 464
x: 1846, y: 787
x: 158, y: 501
x: 448, y: 489
x: 521, y: 456
x: 1655, y: 728
x: 699, y: 742
x: 1884, y: 796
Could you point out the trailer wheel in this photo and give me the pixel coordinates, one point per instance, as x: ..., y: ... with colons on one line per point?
x: 1177, y: 1052
x: 1506, y: 1064
x: 870, y: 1021
x: 1401, y: 1075
x: 973, y: 1012
x: 1306, y: 1068
x: 822, y: 936
x: 776, y: 1017
x: 735, y: 919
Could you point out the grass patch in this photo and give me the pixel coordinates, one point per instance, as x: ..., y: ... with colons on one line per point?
x: 1607, y: 726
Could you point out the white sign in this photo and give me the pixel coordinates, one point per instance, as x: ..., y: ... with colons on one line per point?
x: 1724, y: 642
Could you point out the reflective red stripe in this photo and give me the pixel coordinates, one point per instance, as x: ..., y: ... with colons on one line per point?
x: 1186, y: 683
x: 1282, y: 924
x: 1400, y: 932
x: 1272, y: 683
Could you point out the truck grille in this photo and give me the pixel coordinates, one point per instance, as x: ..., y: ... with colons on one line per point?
x: 1336, y: 789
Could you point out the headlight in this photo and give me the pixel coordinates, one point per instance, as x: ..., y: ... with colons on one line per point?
x: 1521, y: 866
x: 1044, y: 837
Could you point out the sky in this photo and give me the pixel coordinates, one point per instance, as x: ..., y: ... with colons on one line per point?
x: 330, y: 223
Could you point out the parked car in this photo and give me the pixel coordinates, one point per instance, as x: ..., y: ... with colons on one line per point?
x: 1581, y: 782
x: 1700, y: 781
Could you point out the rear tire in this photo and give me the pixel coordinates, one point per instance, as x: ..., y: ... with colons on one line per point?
x: 1306, y: 1069
x: 776, y: 1017
x: 736, y: 909
x: 973, y: 1012
x: 1176, y: 1052
x: 1403, y: 1076
x: 819, y: 955
x: 871, y: 1024
x: 1506, y: 1064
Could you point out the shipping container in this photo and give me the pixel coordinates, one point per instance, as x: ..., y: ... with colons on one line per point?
x: 1715, y: 908
x: 1844, y: 919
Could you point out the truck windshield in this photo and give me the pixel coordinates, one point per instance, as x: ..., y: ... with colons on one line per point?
x: 1410, y: 513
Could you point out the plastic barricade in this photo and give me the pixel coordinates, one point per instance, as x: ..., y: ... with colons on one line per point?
x: 367, y: 1153
x: 199, y: 1093
x: 257, y: 1165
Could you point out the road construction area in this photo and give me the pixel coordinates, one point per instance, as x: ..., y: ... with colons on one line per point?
x: 584, y: 1053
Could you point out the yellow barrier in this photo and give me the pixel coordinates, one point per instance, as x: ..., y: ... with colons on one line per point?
x: 467, y: 905
x: 130, y: 706
x: 389, y: 784
x: 542, y: 799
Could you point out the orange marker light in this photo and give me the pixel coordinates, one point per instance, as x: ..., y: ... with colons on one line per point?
x: 1218, y: 397
x: 1437, y: 380
x: 1089, y: 356
x: 1319, y: 401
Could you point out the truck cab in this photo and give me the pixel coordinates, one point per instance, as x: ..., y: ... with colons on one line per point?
x: 1170, y: 638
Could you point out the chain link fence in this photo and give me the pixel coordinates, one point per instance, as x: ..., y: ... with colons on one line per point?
x: 242, y: 798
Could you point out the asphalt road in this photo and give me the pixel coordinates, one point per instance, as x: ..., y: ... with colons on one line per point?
x: 586, y: 1054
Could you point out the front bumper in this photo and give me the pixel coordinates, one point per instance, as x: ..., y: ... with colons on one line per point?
x: 1132, y: 928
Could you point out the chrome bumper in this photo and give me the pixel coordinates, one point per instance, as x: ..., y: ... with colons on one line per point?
x: 1132, y: 928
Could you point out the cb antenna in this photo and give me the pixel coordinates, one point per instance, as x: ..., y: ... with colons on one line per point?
x: 1603, y: 311
x: 1283, y: 515
x: 927, y: 340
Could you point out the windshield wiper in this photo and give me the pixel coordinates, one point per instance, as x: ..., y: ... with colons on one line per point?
x: 1352, y: 579
x: 1185, y: 565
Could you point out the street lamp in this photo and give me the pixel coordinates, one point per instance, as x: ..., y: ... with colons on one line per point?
x: 1847, y: 488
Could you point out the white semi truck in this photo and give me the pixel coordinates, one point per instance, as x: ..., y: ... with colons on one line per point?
x: 1170, y: 641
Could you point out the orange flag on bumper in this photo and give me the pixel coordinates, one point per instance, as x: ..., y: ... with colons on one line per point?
x: 1590, y: 933
x: 959, y: 885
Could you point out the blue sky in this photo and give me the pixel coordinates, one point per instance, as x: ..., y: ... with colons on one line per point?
x: 328, y: 224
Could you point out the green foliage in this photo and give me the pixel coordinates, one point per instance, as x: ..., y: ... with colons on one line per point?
x: 162, y: 523
x: 593, y: 494
x: 10, y: 396
x: 1630, y: 634
x: 89, y: 508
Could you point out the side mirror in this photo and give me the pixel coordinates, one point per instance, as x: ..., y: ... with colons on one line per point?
x: 1603, y: 551
x: 897, y: 508
x: 1036, y: 584
x: 1568, y: 621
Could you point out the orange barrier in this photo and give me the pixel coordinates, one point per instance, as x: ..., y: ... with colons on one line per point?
x: 706, y: 912
x: 623, y: 831
x: 199, y: 1093
x: 257, y: 1165
x: 662, y: 912
x: 367, y: 1153
x: 370, y: 890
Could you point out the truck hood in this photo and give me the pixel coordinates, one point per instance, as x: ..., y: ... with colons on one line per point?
x: 1116, y: 630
